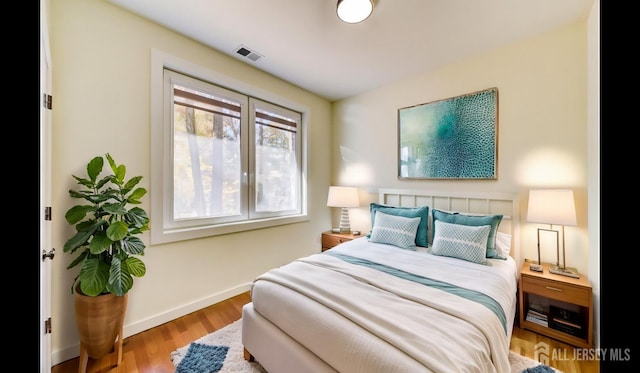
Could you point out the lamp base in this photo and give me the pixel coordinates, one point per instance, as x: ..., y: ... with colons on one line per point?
x: 566, y: 271
x: 345, y: 226
x: 535, y: 267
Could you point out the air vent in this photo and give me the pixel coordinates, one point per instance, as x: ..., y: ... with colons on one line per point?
x: 246, y: 52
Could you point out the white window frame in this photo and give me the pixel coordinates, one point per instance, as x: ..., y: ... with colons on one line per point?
x: 163, y: 229
x: 271, y: 108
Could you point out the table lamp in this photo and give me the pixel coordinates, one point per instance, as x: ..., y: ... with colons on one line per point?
x: 553, y: 207
x: 343, y: 197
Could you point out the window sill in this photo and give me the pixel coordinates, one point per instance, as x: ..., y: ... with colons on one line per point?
x: 174, y: 235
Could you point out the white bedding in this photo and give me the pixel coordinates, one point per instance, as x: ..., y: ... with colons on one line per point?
x: 360, y: 319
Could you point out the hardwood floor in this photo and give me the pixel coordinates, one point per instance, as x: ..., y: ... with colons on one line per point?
x: 562, y: 355
x: 149, y: 351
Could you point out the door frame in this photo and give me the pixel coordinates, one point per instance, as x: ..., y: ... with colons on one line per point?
x: 45, y: 192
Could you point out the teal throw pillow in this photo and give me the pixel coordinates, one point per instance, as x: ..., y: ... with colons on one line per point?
x: 407, y: 212
x: 395, y: 230
x: 461, y: 241
x: 456, y: 218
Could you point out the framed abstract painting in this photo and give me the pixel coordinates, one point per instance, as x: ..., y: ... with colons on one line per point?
x: 453, y: 138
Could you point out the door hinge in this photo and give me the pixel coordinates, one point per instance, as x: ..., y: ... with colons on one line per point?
x: 47, y: 213
x: 47, y: 326
x: 47, y: 101
x: 49, y: 254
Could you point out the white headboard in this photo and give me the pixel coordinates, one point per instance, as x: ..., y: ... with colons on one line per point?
x: 472, y: 203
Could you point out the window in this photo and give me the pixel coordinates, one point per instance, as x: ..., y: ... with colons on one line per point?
x: 228, y: 161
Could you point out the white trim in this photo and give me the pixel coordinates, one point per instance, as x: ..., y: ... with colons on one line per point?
x: 160, y: 234
x: 45, y: 226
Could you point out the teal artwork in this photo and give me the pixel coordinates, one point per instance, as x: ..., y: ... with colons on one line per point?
x: 454, y: 138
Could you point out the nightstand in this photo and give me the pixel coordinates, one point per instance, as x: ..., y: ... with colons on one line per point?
x: 557, y: 306
x: 330, y: 239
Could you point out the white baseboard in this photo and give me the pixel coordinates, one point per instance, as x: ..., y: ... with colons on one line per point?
x: 72, y: 352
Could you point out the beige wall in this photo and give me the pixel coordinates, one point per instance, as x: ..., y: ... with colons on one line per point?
x: 542, y: 143
x: 101, y: 79
x: 549, y: 134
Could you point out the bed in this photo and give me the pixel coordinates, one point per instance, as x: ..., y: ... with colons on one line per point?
x: 432, y: 287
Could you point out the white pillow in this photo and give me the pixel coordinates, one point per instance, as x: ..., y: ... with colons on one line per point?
x: 503, y: 244
x: 461, y: 241
x: 395, y: 230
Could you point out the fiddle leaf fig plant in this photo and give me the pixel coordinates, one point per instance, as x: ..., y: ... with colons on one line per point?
x: 106, y: 241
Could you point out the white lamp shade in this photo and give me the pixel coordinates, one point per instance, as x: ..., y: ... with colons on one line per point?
x: 354, y: 11
x: 551, y: 206
x: 343, y: 197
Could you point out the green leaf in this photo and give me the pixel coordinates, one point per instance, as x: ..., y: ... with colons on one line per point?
x: 117, y: 231
x: 99, y: 243
x: 132, y: 182
x: 102, y: 182
x: 77, y: 213
x: 85, y: 229
x: 136, y: 266
x: 78, y: 260
x: 115, y: 208
x: 120, y: 280
x: 112, y: 163
x: 85, y: 182
x: 79, y: 239
x: 85, y: 194
x: 94, y: 168
x: 134, y: 197
x: 138, y: 217
x: 106, y: 195
x: 120, y: 172
x: 94, y: 275
x: 133, y: 245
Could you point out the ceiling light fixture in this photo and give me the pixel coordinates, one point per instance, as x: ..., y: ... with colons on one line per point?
x: 354, y: 11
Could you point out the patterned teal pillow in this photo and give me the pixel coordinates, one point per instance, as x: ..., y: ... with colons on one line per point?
x: 395, y: 230
x: 407, y: 212
x: 474, y: 221
x: 461, y: 241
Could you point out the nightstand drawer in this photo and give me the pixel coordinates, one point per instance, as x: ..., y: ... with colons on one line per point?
x: 556, y: 290
x: 331, y: 241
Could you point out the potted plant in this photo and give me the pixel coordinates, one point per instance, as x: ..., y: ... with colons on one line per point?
x: 108, y: 251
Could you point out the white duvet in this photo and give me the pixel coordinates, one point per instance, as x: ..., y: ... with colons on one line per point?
x: 359, y: 319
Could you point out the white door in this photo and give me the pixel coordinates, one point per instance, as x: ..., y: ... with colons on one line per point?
x: 45, y: 249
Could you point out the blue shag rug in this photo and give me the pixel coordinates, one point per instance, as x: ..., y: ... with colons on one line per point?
x: 218, y: 352
x: 539, y: 369
x: 201, y: 358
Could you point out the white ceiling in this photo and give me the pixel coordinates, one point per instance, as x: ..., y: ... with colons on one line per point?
x: 303, y: 41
